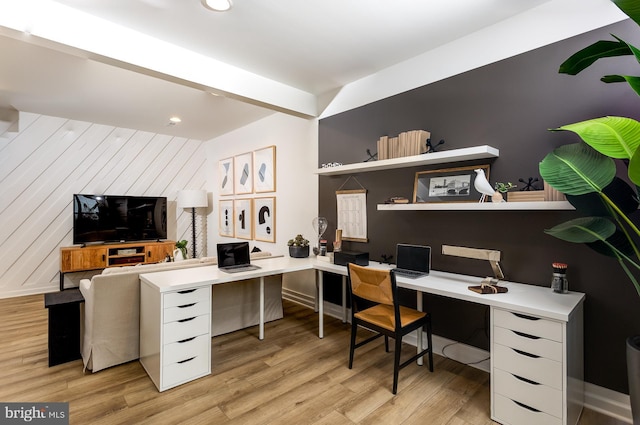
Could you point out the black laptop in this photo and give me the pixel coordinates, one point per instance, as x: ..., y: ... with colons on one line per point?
x: 412, y: 261
x: 234, y: 257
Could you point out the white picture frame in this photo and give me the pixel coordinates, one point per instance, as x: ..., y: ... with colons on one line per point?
x: 264, y: 219
x: 226, y: 176
x: 243, y: 218
x: 243, y: 173
x: 264, y: 170
x: 225, y: 219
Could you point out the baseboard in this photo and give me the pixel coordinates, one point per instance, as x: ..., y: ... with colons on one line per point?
x: 599, y: 399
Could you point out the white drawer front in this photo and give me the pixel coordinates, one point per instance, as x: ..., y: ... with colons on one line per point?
x: 184, y: 311
x: 188, y: 369
x: 506, y: 411
x: 181, y: 350
x: 186, y: 328
x: 528, y: 324
x: 188, y: 296
x: 528, y: 343
x: 538, y: 396
x: 538, y: 369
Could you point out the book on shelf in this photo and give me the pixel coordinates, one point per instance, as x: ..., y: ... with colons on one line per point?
x: 407, y: 143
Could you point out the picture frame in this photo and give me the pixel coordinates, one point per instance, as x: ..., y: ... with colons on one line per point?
x: 264, y: 217
x: 226, y: 215
x: 226, y: 176
x: 264, y: 170
x: 243, y: 173
x: 243, y: 218
x: 447, y: 185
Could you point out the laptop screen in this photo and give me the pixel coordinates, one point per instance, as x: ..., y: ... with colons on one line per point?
x: 413, y: 257
x: 233, y: 254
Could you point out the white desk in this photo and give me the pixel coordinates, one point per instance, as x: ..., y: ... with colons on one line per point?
x: 536, y: 335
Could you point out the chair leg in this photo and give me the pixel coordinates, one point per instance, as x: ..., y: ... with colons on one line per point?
x: 430, y: 344
x: 396, y: 363
x: 386, y: 343
x: 352, y: 346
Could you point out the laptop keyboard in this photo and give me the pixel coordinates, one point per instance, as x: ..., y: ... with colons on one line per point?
x: 239, y: 268
x: 411, y: 274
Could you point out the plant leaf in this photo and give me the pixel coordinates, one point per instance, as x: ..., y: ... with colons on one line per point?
x: 577, y: 169
x: 631, y: 8
x: 634, y: 168
x: 618, y: 240
x: 616, y: 137
x: 583, y: 230
x: 587, y: 56
x: 620, y: 193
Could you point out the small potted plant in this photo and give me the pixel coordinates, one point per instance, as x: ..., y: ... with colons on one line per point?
x: 503, y: 188
x: 298, y: 247
x: 180, y: 253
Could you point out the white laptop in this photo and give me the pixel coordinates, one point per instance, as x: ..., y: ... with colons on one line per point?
x: 412, y: 261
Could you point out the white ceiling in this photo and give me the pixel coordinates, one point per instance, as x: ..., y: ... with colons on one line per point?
x: 309, y: 48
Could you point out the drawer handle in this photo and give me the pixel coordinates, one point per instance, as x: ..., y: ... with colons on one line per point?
x: 188, y: 360
x: 524, y: 335
x: 186, y: 291
x: 182, y: 341
x: 526, y: 407
x: 526, y: 354
x: 186, y: 320
x: 528, y: 381
x: 186, y: 305
x: 524, y: 316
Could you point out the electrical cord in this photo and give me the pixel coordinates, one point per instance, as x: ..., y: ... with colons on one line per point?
x: 485, y: 328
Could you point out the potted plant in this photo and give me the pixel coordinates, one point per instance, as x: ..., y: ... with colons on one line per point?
x: 586, y: 174
x: 503, y: 188
x: 180, y: 253
x: 298, y: 247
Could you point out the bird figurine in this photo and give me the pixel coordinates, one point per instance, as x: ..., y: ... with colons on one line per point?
x: 482, y: 185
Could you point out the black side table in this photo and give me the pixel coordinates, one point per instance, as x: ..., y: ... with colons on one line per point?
x: 64, y: 325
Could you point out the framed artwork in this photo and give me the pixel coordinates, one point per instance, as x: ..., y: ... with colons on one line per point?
x: 243, y: 218
x: 225, y: 173
x: 448, y: 185
x: 226, y: 218
x: 243, y: 170
x: 264, y: 170
x: 264, y: 217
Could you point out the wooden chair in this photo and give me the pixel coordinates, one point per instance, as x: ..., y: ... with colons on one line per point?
x: 385, y: 317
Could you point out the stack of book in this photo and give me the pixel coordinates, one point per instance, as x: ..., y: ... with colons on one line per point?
x: 407, y: 143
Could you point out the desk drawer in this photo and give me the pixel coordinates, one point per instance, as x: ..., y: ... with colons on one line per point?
x: 538, y: 369
x: 185, y: 370
x: 528, y: 343
x: 507, y: 411
x: 184, y: 311
x: 188, y: 296
x: 538, y: 396
x: 186, y: 328
x: 182, y: 350
x: 530, y: 325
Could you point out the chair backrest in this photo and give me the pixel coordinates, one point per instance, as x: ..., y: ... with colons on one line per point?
x: 373, y: 285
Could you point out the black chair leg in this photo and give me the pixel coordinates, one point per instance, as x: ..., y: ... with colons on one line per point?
x: 430, y: 344
x: 386, y: 343
x: 396, y: 363
x: 352, y: 347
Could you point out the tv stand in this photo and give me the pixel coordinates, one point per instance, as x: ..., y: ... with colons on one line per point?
x: 95, y: 257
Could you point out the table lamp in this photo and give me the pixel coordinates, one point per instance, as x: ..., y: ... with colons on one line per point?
x: 193, y: 198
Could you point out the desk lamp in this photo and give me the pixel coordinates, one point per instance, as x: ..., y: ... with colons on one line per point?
x: 479, y: 254
x: 193, y: 198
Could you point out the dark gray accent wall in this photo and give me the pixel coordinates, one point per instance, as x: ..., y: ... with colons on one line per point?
x: 509, y: 105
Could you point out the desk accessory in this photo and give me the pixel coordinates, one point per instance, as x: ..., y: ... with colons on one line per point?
x: 345, y: 257
x: 559, y: 283
x: 489, y: 285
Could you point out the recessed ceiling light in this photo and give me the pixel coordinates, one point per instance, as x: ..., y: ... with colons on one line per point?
x: 174, y: 120
x: 217, y: 5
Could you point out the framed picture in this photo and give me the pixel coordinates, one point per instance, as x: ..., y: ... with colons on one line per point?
x: 243, y: 170
x: 243, y: 218
x: 226, y: 218
x: 447, y: 185
x: 225, y: 172
x: 264, y: 219
x: 264, y: 170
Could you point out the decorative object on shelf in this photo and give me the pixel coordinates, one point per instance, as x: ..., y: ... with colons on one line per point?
x: 407, y: 143
x: 551, y: 194
x: 397, y: 200
x: 225, y: 174
x: 298, y: 247
x: 431, y: 148
x: 483, y: 186
x: 448, y: 185
x: 264, y: 216
x: 590, y: 179
x: 193, y: 199
x: 530, y: 184
x: 180, y: 253
x: 264, y: 169
x: 243, y: 218
x: 527, y: 196
x: 242, y: 171
x: 559, y: 281
x: 352, y: 212
x: 372, y: 156
x: 225, y: 218
x: 320, y: 226
x: 331, y: 164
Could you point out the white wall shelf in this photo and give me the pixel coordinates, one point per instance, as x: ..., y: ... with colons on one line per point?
x: 476, y: 206
x: 444, y: 157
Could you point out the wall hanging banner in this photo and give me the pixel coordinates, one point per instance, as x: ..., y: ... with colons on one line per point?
x: 352, y: 213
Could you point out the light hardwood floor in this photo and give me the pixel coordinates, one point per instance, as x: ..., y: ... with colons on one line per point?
x: 291, y: 377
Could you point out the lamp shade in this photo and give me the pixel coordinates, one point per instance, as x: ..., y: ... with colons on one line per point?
x: 194, y: 198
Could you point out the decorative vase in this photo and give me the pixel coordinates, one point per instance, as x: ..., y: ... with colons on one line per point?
x: 299, y: 251
x: 178, y: 255
x: 633, y: 375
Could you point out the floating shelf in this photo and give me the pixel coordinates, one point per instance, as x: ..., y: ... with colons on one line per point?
x: 454, y: 155
x: 477, y: 206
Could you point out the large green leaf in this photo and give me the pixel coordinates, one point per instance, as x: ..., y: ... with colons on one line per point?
x: 634, y: 82
x: 587, y: 56
x: 634, y: 168
x: 617, y: 137
x: 577, y: 169
x: 583, y: 230
x: 616, y: 241
x: 618, y: 191
x: 631, y: 8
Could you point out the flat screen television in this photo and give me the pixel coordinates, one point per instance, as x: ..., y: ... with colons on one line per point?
x: 108, y: 218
